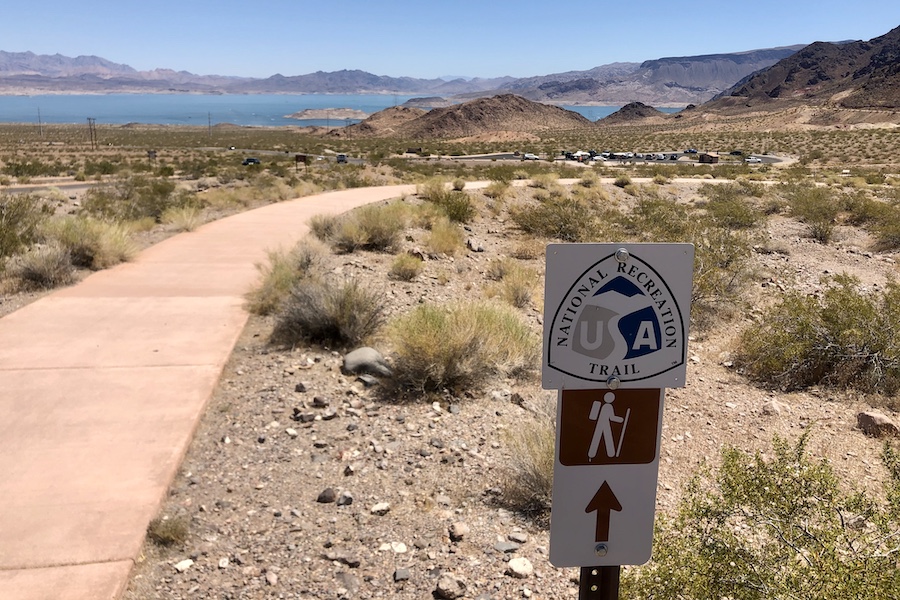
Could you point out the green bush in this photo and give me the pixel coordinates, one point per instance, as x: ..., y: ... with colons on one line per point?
x: 565, y: 219
x: 172, y: 531
x: 445, y: 237
x: 730, y: 206
x: 331, y: 313
x: 20, y: 219
x: 814, y: 206
x: 460, y: 346
x: 622, y: 181
x: 846, y: 339
x: 323, y: 226
x: 774, y: 528
x: 529, y: 483
x: 43, y: 267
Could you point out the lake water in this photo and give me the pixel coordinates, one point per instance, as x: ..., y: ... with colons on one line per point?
x: 202, y: 110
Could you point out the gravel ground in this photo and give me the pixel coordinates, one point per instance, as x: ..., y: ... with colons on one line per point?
x: 304, y: 482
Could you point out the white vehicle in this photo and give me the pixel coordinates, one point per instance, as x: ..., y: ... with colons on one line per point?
x: 530, y: 156
x: 753, y: 159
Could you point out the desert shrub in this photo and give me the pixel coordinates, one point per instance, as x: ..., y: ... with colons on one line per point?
x: 92, y: 243
x: 622, y: 180
x: 131, y: 198
x: 182, y: 218
x: 282, y: 272
x: 370, y: 227
x: 327, y: 312
x: 590, y: 179
x: 528, y: 249
x: 445, y: 237
x: 528, y: 486
x: 887, y: 233
x: 406, y: 267
x: 845, y: 339
x: 660, y: 179
x: 565, y: 219
x: 43, y: 267
x: 779, y: 527
x: 172, y: 531
x: 730, y: 206
x: 460, y: 346
x: 459, y: 184
x: 20, y: 218
x: 543, y: 181
x: 814, y: 206
x: 323, y: 226
x: 516, y: 287
x: 863, y: 210
x: 457, y: 206
x: 496, y: 190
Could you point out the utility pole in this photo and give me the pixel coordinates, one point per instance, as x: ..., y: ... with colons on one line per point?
x: 209, y: 123
x: 40, y: 124
x: 92, y: 132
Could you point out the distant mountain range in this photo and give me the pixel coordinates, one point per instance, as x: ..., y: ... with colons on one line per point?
x: 677, y: 80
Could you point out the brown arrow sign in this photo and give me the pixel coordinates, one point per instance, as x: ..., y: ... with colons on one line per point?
x: 604, y: 502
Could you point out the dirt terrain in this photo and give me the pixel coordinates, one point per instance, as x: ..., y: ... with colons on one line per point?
x: 303, y: 482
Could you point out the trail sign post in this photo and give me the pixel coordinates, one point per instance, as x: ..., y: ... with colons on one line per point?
x: 615, y: 335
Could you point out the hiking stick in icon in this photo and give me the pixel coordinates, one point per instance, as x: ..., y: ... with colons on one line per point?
x: 605, y: 415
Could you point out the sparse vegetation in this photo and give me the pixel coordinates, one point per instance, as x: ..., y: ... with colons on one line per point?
x: 845, y: 339
x: 328, y: 312
x: 169, y: 531
x: 778, y: 527
x: 282, y: 272
x: 458, y: 347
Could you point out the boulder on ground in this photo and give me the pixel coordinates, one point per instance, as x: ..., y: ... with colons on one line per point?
x: 366, y: 360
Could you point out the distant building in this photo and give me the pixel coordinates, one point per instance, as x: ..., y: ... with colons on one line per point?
x: 709, y: 159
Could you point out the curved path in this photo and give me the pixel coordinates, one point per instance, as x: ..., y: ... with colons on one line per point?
x: 102, y: 385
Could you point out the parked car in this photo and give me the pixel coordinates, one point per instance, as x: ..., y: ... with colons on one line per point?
x: 753, y: 159
x: 342, y: 158
x: 736, y: 153
x: 530, y: 156
x: 250, y: 161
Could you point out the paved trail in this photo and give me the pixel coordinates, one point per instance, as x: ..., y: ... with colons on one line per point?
x: 102, y: 385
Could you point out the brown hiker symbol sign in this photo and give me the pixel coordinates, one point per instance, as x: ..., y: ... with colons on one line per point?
x: 603, y: 427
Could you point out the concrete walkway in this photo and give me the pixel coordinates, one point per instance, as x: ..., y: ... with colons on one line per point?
x: 102, y: 386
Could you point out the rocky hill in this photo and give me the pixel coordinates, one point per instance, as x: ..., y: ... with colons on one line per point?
x: 862, y: 74
x: 499, y: 114
x: 632, y: 113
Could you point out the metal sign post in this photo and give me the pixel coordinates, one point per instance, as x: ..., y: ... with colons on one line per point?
x: 615, y: 336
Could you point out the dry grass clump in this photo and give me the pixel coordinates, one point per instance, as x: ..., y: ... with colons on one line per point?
x: 496, y: 190
x: 544, y: 181
x: 332, y: 313
x: 460, y: 346
x: 42, y: 267
x: 515, y: 283
x: 182, y: 218
x: 445, y: 237
x: 528, y: 487
x: 282, y: 272
x: 816, y: 207
x: 20, y: 219
x: 406, y: 267
x: 169, y: 531
x: 92, y: 243
x: 529, y: 249
x: 371, y: 227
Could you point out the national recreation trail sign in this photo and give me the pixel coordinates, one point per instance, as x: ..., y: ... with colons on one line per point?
x: 604, y: 477
x: 615, y: 335
x: 616, y: 313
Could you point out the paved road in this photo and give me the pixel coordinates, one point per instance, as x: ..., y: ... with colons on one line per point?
x: 102, y: 385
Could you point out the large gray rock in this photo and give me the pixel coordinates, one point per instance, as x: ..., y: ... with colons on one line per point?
x: 450, y: 587
x: 366, y: 360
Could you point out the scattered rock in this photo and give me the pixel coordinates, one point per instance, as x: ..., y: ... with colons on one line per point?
x: 774, y: 407
x: 506, y: 547
x: 458, y: 531
x: 345, y: 499
x: 342, y: 557
x: 519, y: 567
x: 366, y: 360
x: 450, y: 587
x: 184, y: 565
x: 876, y: 424
x: 271, y: 578
x: 381, y: 509
x: 302, y: 387
x: 518, y: 537
x: 474, y: 245
x: 327, y: 496
x: 401, y: 575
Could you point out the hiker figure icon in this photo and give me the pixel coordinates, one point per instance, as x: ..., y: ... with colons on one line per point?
x: 604, y: 413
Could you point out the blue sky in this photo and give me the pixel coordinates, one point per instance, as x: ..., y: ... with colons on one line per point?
x: 422, y: 38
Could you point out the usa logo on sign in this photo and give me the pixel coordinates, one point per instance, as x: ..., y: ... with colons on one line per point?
x: 618, y: 319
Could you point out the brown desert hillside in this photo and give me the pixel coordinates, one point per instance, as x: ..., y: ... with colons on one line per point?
x: 633, y: 113
x: 503, y: 113
x: 858, y: 75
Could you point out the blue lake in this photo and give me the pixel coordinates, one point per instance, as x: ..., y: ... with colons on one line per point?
x: 203, y: 110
